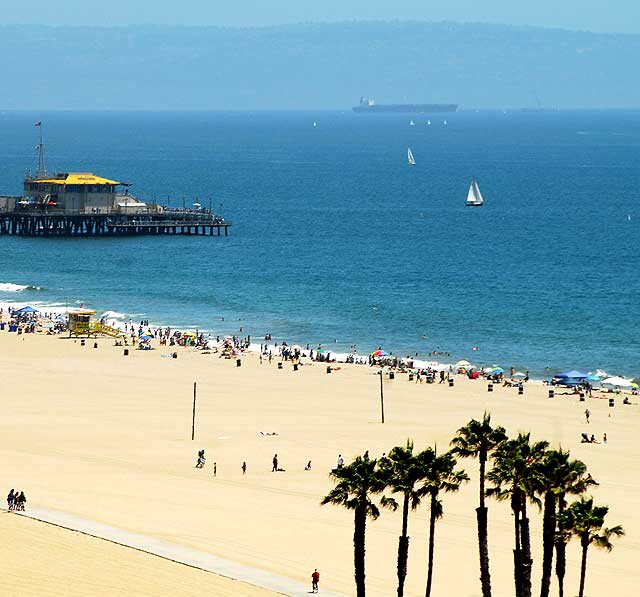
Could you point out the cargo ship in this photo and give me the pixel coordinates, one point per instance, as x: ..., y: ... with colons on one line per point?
x: 369, y: 106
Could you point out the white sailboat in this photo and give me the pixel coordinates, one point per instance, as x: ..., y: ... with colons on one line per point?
x: 474, y: 196
x: 411, y: 123
x: 410, y: 158
x: 428, y: 123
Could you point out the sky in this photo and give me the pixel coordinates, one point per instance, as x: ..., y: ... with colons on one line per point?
x: 615, y: 16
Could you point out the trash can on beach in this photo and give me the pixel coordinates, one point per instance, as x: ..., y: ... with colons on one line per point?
x: 82, y: 342
x: 612, y: 402
x: 520, y: 389
x: 582, y: 397
x: 392, y: 375
x: 490, y: 387
x: 295, y: 366
x: 451, y: 382
x: 280, y: 365
x: 126, y: 352
x: 238, y: 363
x: 551, y: 393
x: 328, y: 369
x: 410, y: 376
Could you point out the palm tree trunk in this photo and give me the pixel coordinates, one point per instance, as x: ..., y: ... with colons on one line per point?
x: 548, y: 534
x: 483, y: 534
x: 360, y: 526
x: 561, y: 553
x: 432, y: 529
x: 526, y: 561
x: 403, y: 547
x: 483, y: 547
x: 583, y: 567
x: 517, y: 554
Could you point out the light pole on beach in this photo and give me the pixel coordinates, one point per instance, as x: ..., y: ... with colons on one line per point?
x: 193, y: 419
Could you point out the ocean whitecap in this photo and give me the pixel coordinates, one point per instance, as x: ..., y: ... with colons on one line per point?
x: 9, y: 287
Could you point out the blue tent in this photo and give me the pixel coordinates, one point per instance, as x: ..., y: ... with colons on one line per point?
x: 25, y: 310
x: 571, y: 375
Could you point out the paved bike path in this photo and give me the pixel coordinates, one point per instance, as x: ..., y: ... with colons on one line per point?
x: 175, y: 553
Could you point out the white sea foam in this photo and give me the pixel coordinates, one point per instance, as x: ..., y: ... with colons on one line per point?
x: 9, y: 287
x: 114, y: 315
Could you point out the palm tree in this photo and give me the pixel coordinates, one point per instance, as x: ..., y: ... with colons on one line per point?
x: 575, y: 485
x: 402, y: 470
x: 584, y: 520
x: 559, y: 475
x: 477, y: 439
x: 514, y: 475
x: 440, y: 475
x: 356, y: 483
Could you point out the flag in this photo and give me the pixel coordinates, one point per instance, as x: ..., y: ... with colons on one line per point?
x: 39, y: 123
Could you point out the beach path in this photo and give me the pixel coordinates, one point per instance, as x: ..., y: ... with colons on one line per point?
x: 175, y: 553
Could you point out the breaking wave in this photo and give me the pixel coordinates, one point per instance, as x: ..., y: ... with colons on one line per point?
x: 9, y: 287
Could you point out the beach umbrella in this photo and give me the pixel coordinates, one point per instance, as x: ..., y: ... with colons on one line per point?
x: 380, y: 353
x: 497, y: 370
x: 618, y: 382
x: 145, y: 337
x: 519, y: 374
x: 463, y: 363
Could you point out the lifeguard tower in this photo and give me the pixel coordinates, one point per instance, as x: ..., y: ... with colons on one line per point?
x: 79, y: 324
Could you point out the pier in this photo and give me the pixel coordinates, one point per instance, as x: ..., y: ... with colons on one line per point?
x: 166, y: 222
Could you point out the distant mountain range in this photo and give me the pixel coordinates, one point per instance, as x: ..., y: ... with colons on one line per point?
x: 315, y: 66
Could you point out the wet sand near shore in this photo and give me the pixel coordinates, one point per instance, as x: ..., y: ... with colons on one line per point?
x: 107, y: 437
x: 39, y: 559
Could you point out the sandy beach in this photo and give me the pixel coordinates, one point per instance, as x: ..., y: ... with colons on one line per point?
x: 107, y: 437
x: 39, y: 559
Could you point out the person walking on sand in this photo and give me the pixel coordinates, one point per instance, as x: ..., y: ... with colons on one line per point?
x: 315, y: 579
x: 11, y: 500
x: 275, y: 463
x: 587, y: 414
x: 215, y: 469
x: 244, y: 468
x: 340, y: 463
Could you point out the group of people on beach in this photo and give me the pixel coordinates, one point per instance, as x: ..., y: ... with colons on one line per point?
x: 16, y: 500
x: 275, y: 468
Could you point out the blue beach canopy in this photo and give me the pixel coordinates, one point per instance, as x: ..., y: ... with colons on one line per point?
x: 25, y: 310
x: 571, y: 375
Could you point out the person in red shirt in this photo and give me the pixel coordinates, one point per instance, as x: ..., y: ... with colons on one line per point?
x: 315, y: 579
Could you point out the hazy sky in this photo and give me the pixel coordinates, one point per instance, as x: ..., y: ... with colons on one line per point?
x: 594, y: 15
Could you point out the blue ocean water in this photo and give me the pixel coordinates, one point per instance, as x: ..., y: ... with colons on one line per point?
x: 336, y: 240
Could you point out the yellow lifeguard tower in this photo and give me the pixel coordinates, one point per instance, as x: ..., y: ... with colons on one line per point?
x: 79, y: 323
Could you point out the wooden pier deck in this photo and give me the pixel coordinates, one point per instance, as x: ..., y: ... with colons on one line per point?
x: 169, y: 222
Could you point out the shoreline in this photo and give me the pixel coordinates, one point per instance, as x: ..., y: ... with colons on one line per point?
x: 119, y: 319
